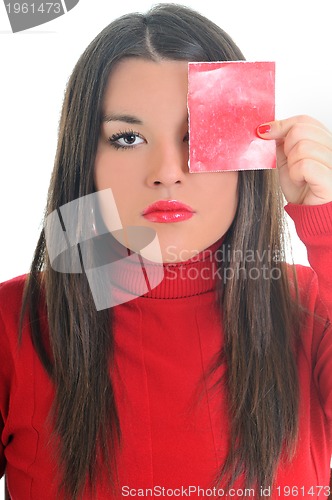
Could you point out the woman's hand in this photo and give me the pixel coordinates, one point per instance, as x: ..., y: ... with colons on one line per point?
x: 304, y: 158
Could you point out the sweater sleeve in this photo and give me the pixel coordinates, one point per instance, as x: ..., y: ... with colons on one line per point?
x: 10, y: 304
x: 314, y: 227
x: 6, y: 369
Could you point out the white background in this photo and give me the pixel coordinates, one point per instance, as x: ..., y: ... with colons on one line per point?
x: 36, y: 64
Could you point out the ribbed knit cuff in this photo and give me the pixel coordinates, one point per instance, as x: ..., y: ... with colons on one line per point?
x: 311, y: 220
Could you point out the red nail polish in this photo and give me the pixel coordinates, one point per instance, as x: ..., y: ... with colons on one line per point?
x: 264, y: 129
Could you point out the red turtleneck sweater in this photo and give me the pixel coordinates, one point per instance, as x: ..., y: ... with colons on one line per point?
x: 165, y: 341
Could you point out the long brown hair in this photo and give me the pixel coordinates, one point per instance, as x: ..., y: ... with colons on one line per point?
x: 260, y: 317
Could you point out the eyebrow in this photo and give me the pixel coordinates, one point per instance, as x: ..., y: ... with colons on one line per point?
x: 122, y: 118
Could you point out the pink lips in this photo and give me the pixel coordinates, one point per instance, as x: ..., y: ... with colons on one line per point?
x: 168, y: 211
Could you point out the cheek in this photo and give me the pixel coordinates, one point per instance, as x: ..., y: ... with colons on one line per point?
x: 111, y: 171
x: 225, y: 193
x: 101, y: 170
x: 116, y: 172
x: 226, y: 201
x: 231, y: 193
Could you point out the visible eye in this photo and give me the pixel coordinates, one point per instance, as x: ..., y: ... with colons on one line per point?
x: 126, y: 140
x: 186, y: 137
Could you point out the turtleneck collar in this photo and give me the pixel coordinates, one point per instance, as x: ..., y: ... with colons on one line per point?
x: 122, y: 275
x: 191, y: 277
x: 132, y: 277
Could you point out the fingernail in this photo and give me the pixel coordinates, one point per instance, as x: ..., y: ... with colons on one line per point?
x: 264, y: 129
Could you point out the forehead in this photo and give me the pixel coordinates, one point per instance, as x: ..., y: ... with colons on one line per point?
x: 140, y: 84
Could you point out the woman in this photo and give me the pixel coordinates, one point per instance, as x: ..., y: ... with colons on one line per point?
x: 203, y: 383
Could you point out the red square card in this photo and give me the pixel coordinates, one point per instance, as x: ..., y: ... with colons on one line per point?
x: 227, y: 101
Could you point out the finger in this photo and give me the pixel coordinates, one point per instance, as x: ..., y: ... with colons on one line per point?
x: 313, y: 173
x: 308, y: 149
x: 278, y: 129
x: 310, y: 133
x: 304, y: 187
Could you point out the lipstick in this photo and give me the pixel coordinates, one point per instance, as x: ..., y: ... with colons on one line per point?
x: 168, y: 211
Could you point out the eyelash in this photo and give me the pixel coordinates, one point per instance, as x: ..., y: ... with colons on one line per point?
x: 120, y: 135
x: 115, y: 137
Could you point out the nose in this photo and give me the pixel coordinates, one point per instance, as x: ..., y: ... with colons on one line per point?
x: 169, y: 164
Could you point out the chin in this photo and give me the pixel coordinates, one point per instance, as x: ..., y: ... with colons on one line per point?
x: 176, y: 252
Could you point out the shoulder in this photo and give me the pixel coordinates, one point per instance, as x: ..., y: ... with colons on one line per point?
x: 315, y: 310
x: 12, y: 285
x: 307, y: 282
x: 15, y: 338
x: 11, y: 292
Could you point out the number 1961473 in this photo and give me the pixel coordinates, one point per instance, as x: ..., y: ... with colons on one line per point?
x: 33, y: 8
x: 298, y: 491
